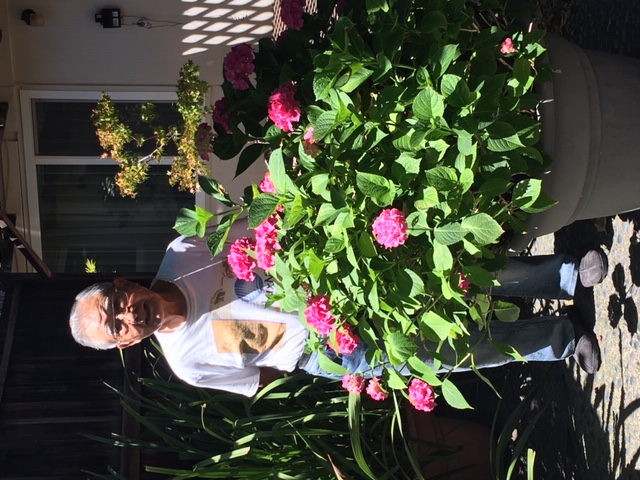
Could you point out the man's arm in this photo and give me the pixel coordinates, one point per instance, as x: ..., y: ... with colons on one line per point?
x: 268, y: 375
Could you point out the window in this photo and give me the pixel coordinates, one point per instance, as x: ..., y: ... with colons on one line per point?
x: 75, y: 210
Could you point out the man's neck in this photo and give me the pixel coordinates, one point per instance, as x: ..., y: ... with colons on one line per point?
x: 175, y: 308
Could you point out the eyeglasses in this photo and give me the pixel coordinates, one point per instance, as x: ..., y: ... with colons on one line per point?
x: 116, y: 304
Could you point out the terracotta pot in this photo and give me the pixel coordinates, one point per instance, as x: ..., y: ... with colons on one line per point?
x: 474, y: 440
x: 590, y: 120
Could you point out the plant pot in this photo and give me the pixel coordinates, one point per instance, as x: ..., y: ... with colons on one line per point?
x: 590, y: 117
x: 471, y: 462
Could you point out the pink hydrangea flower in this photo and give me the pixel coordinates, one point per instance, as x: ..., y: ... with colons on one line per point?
x: 308, y: 135
x: 238, y: 65
x: 507, y: 46
x: 291, y: 13
x: 390, y: 228
x: 266, y: 185
x: 204, y: 135
x: 319, y: 316
x: 353, y: 383
x: 309, y: 145
x: 267, y: 243
x: 375, y: 391
x: 464, y: 283
x: 219, y: 116
x: 284, y: 110
x: 240, y: 261
x: 345, y: 338
x: 421, y: 395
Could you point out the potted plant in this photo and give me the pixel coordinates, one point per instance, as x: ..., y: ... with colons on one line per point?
x: 402, y: 148
x: 589, y: 116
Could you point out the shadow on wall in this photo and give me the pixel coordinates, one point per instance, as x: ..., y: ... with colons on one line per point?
x: 223, y: 22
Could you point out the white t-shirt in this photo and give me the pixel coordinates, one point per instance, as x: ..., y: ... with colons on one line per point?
x: 228, y: 333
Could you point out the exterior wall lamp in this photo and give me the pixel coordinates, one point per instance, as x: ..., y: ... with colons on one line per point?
x: 32, y: 18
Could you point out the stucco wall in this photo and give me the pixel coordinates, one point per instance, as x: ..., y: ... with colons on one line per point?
x: 72, y: 52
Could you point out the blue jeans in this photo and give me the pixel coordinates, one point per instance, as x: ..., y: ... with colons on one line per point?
x: 540, y: 339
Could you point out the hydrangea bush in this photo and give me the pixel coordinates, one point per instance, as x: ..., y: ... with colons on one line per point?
x: 401, y: 143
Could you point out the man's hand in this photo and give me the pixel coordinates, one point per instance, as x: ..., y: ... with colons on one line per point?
x: 268, y: 375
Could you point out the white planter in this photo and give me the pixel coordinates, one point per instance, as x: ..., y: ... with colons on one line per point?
x: 591, y: 129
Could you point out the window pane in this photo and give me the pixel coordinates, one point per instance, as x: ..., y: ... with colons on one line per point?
x: 64, y: 127
x: 83, y: 216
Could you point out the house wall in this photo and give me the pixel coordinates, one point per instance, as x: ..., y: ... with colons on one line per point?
x: 72, y: 52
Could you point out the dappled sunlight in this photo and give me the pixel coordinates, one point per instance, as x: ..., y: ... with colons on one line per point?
x: 225, y: 22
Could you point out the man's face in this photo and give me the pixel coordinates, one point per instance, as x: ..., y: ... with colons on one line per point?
x: 128, y: 314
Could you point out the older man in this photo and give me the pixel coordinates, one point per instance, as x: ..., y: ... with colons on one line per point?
x: 217, y: 332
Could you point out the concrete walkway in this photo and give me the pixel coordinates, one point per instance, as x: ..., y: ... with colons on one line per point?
x: 597, y: 423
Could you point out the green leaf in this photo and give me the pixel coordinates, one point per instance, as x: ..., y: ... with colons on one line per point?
x: 442, y: 179
x: 192, y: 222
x: 372, y: 185
x: 528, y: 196
x: 504, y: 144
x: 433, y: 21
x: 316, y: 265
x: 443, y: 58
x: 494, y: 187
x: 322, y: 83
x: 466, y: 179
x: 522, y: 71
x: 428, y: 105
x: 417, y: 223
x: 306, y: 160
x: 409, y: 283
x: 248, y: 157
x: 330, y: 366
x: 425, y: 372
x: 186, y: 222
x: 366, y: 246
x: 212, y: 187
x: 261, y: 208
x: 508, y: 350
x: 400, y: 347
x: 325, y: 124
x: 456, y: 91
x: 319, y: 182
x: 483, y: 227
x: 479, y: 276
x: 278, y: 171
x: 428, y: 200
x: 442, y: 258
x: 296, y: 212
x: 439, y: 325
x: 335, y: 243
x: 356, y: 79
x: 506, y: 311
x: 453, y: 396
x: 371, y: 292
x: 409, y: 162
x: 395, y: 380
x: 375, y: 5
x: 326, y: 213
x: 449, y: 233
x: 216, y: 239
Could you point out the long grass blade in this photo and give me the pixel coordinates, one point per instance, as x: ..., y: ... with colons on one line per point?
x: 356, y: 441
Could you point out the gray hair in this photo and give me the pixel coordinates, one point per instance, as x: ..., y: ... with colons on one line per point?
x: 79, y: 324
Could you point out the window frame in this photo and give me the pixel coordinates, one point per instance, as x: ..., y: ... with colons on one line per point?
x: 32, y: 161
